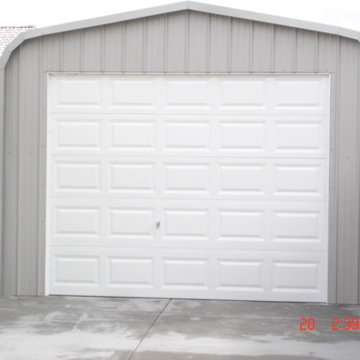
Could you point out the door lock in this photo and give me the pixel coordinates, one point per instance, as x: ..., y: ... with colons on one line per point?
x: 158, y: 224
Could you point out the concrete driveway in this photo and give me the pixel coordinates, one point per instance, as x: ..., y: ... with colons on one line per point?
x: 80, y: 328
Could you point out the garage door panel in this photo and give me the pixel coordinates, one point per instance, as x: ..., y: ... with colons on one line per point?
x: 244, y: 275
x: 242, y: 225
x: 190, y: 134
x: 76, y: 271
x: 132, y: 223
x: 187, y: 224
x: 130, y: 272
x: 134, y: 135
x: 243, y: 95
x: 243, y: 137
x: 240, y: 275
x: 200, y: 186
x: 242, y: 178
x: 80, y: 133
x: 301, y: 94
x: 185, y: 273
x: 280, y: 179
x: 271, y: 225
x: 245, y: 225
x: 76, y: 94
x: 296, y: 275
x: 133, y: 94
x: 77, y: 221
x: 297, y: 179
x: 180, y: 178
x: 130, y: 177
x: 187, y: 95
x: 74, y: 176
x: 298, y: 138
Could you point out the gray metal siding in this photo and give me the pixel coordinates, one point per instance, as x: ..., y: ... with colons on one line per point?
x: 185, y: 41
x: 10, y: 178
x: 28, y: 162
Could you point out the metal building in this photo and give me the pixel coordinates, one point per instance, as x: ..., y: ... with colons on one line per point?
x: 186, y: 150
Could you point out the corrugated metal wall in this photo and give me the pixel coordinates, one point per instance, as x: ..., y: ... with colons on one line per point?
x: 185, y: 41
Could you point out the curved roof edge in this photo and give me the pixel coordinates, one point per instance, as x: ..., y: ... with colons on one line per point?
x: 184, y: 5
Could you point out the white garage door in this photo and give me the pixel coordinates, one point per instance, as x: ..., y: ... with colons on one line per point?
x: 199, y: 186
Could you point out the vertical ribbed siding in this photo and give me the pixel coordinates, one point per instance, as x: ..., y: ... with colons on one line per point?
x: 198, y: 42
x: 184, y: 41
x: 263, y: 45
x: 114, y: 39
x: 220, y: 44
x: 71, y: 51
x: 176, y: 48
x: 155, y: 41
x: 284, y: 49
x: 329, y: 50
x: 241, y: 45
x: 92, y: 49
x: 134, y: 46
x: 28, y: 175
x: 10, y: 208
x: 347, y: 171
x: 306, y: 51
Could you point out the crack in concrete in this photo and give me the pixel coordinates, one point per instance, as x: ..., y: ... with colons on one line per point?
x: 147, y: 332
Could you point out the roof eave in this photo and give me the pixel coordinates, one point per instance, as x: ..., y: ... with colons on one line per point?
x: 180, y: 6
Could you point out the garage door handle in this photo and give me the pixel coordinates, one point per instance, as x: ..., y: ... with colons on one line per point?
x: 158, y: 224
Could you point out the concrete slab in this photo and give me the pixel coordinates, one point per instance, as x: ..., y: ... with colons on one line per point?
x: 68, y: 328
x: 85, y: 328
x: 66, y: 341
x: 260, y: 309
x: 53, y: 308
x: 245, y: 337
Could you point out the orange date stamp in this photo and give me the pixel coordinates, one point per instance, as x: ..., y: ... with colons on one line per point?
x: 347, y: 324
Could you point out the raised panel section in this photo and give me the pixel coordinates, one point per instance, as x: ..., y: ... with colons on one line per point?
x: 130, y: 272
x: 132, y: 135
x: 130, y: 222
x: 76, y: 270
x: 298, y: 137
x: 133, y: 94
x: 300, y: 94
x: 187, y: 135
x: 241, y: 136
x: 77, y: 221
x: 299, y: 180
x: 185, y: 273
x: 241, y: 225
x: 186, y: 178
x: 187, y: 94
x: 78, y: 176
x: 242, y: 94
x: 296, y: 276
x: 77, y: 134
x: 78, y: 93
x: 132, y: 177
x: 186, y: 224
x: 242, y: 179
x: 296, y: 225
x: 240, y: 275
